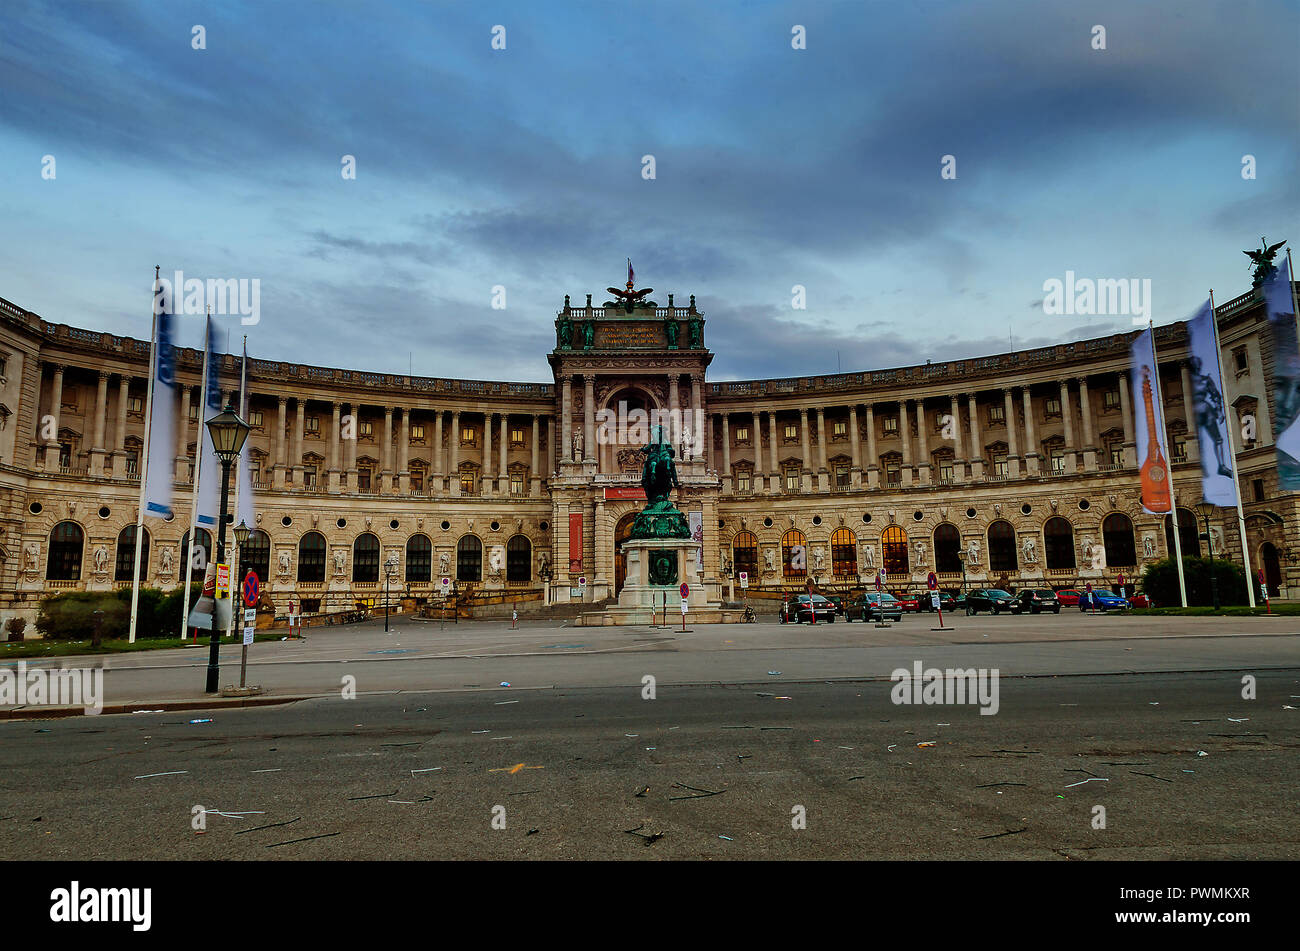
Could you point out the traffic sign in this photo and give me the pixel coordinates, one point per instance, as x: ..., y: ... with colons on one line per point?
x: 248, y: 634
x: 251, y: 588
x: 744, y: 579
x: 685, y: 589
x: 1260, y: 572
x: 683, y: 605
x: 582, y: 582
x: 880, y: 580
x: 934, y: 600
x: 932, y: 581
x: 446, y: 583
x: 250, y: 615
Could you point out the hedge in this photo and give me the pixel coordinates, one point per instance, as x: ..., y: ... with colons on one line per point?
x: 70, y: 615
x: 1160, y: 582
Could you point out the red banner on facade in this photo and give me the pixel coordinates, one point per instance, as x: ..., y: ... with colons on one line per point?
x: 622, y: 492
x: 575, y: 542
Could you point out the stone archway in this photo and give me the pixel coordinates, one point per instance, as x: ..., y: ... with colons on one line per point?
x: 622, y: 531
x: 629, y: 410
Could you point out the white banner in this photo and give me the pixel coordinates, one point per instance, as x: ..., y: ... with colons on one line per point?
x: 1217, y: 485
x: 209, y: 466
x: 160, y: 471
x: 696, y: 521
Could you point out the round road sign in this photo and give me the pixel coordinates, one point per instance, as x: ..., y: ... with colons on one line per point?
x: 932, y: 581
x: 685, y: 590
x: 250, y: 589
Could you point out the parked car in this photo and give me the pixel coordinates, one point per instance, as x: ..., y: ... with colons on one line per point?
x: 907, y: 600
x: 946, y: 601
x: 874, y: 606
x: 1069, y: 597
x: 1141, y: 601
x: 806, y: 607
x: 1103, y: 600
x: 994, y: 600
x: 1035, y: 601
x: 838, y: 601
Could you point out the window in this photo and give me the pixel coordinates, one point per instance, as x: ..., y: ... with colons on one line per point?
x: 1109, y: 400
x: 255, y: 556
x: 893, y: 547
x: 468, y: 479
x: 366, y: 429
x: 1258, y: 486
x: 889, y: 425
x: 467, y: 434
x: 791, y: 430
x: 1241, y: 361
x: 469, y: 559
x: 844, y: 553
x: 1178, y: 447
x: 742, y: 480
x: 417, y: 478
x: 947, y: 543
x: 519, y: 559
x: 1188, y: 534
x: 311, y: 558
x: 308, y: 474
x: 66, y: 542
x: 1000, y: 468
x: 200, y: 562
x: 1058, y: 460
x: 417, y: 432
x: 135, y: 407
x: 517, y: 485
x: 742, y: 435
x: 65, y: 455
x: 1058, y: 543
x: 126, y: 554
x: 364, y: 474
x: 517, y: 440
x: 132, y: 407
x: 419, y: 559
x: 4, y: 366
x: 997, y: 413
x: 794, y: 554
x: 894, y: 470
x: 1117, y: 537
x: 1002, y: 546
x: 841, y: 475
x: 946, y: 470
x: 1052, y: 407
x: 132, y: 457
x: 744, y: 554
x: 365, y: 559
x: 839, y: 428
x: 312, y: 425
x: 1115, y: 452
x: 792, y: 478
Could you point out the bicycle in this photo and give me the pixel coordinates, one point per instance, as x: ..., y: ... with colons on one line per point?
x: 748, y: 616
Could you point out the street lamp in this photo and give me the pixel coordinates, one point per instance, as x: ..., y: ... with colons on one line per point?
x: 228, y: 433
x: 1205, y: 510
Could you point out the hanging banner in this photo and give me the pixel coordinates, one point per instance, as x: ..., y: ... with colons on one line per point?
x: 1149, y: 425
x: 160, y: 471
x: 209, y: 466
x: 1211, y: 417
x: 575, y: 542
x: 1286, y: 375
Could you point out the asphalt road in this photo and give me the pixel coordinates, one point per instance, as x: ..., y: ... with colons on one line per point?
x: 417, y: 775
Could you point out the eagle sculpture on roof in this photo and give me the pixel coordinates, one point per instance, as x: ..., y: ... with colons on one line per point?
x: 1263, y: 260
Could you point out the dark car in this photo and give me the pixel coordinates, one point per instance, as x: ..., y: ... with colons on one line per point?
x: 805, y: 607
x: 1035, y: 601
x: 838, y: 601
x: 946, y: 601
x: 994, y: 600
x: 874, y: 606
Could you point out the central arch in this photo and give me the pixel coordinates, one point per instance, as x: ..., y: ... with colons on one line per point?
x: 623, y: 429
x: 622, y: 532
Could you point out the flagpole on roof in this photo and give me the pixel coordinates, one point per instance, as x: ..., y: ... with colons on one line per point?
x: 1232, y: 452
x: 142, y: 464
x: 1169, y: 467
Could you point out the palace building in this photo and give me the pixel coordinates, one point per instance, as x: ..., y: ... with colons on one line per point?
x: 1019, y: 468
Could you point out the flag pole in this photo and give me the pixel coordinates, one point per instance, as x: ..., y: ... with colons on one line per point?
x: 1232, y: 451
x: 1169, y: 468
x: 142, y: 464
x: 234, y: 508
x: 1290, y: 279
x: 194, y: 489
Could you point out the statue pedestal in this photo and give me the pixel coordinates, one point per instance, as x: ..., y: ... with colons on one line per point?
x: 656, y: 568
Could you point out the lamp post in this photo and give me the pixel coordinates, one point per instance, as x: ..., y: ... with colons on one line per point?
x: 1205, y: 510
x: 961, y: 557
x: 545, y: 574
x: 228, y: 433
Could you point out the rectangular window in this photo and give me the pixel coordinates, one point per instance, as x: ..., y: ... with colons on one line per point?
x: 312, y: 424
x: 893, y: 474
x: 1116, y: 452
x: 889, y: 425
x: 1110, y: 399
x: 1000, y: 466
x: 997, y: 413
x: 1240, y: 359
x: 517, y: 437
x: 1259, y: 489
x: 791, y: 430
x: 417, y: 480
x: 842, y: 476
x: 4, y: 371
x: 742, y: 480
x: 65, y: 456
x: 308, y: 475
x: 467, y: 482
x: 417, y: 432
x: 742, y: 435
x: 1058, y: 460
x: 255, y: 419
x: 132, y: 402
x: 1179, y: 449
x: 135, y: 404
x: 466, y: 434
x: 792, y: 479
x: 516, y: 483
x: 366, y: 429
x: 945, y: 470
x: 1052, y: 407
x: 363, y: 479
x: 839, y: 428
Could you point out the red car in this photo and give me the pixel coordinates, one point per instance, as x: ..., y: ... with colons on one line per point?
x: 906, y: 601
x: 1069, y: 597
x: 1141, y: 601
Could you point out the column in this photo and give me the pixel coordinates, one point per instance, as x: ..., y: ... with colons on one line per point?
x: 922, y: 444
x: 855, y: 445
x: 534, y: 475
x: 1129, y: 453
x: 958, y: 452
x: 873, y: 457
x: 404, y: 453
x: 97, y: 446
x: 485, y: 486
x: 674, y: 405
x: 52, y: 445
x: 803, y: 443
x: 1085, y: 418
x: 386, y: 457
x: 905, y: 433
x: 726, y: 455
x: 350, y: 451
x: 759, y: 484
x: 1031, y: 443
x: 698, y: 430
x: 602, y: 553
x: 589, y: 417
x: 1067, y: 420
x: 300, y: 425
x: 1189, y: 417
x: 976, y: 443
x: 1013, y: 448
x: 333, y: 474
x: 774, y: 467
x: 566, y: 420
x: 503, y: 469
x: 438, y: 471
x: 182, y: 460
x: 453, y: 470
x: 823, y: 473
x: 123, y: 396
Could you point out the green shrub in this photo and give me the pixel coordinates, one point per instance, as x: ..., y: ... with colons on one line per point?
x: 70, y: 615
x: 16, y: 626
x: 1160, y: 582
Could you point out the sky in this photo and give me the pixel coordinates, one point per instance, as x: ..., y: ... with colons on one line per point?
x: 480, y: 169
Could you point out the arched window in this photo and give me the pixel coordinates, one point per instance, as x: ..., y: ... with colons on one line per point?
x: 200, y: 564
x: 419, y: 559
x: 1117, y: 536
x: 893, y: 551
x: 469, y: 559
x: 744, y: 554
x: 519, y: 559
x: 255, y: 556
x: 1002, y: 546
x: 126, y: 554
x: 947, y: 543
x: 1058, y: 543
x: 1187, y: 534
x: 66, y: 543
x: 365, y: 559
x: 311, y: 558
x: 794, y: 554
x: 844, y: 553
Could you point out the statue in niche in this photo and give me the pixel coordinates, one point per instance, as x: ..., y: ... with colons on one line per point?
x: 695, y: 331
x: 670, y: 332
x: 588, y: 334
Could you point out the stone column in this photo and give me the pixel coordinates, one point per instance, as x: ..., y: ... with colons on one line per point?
x: 1129, y: 452
x: 589, y: 418
x: 123, y: 398
x: 1067, y: 420
x: 958, y: 450
x: 281, y: 445
x: 453, y: 470
x: 503, y: 468
x: 1085, y: 419
x: 566, y: 420
x: 1013, y: 449
x: 922, y: 444
x: 101, y: 408
x: 534, y: 475
x: 727, y: 482
x: 183, y: 472
x: 873, y: 458
x: 774, y: 465
x: 807, y: 454
x: 905, y: 433
x: 756, y: 440
x: 334, y: 472
x: 485, y: 484
x: 976, y: 443
x: 404, y: 453
x: 1031, y: 442
x: 855, y: 447
x: 439, y: 472
x: 698, y: 429
x: 386, y: 457
x: 674, y: 406
x: 299, y: 426
x: 823, y: 473
x: 350, y: 450
x: 1189, y: 416
x: 56, y: 403
x: 602, y: 552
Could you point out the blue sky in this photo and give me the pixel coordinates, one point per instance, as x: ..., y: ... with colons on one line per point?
x: 522, y: 168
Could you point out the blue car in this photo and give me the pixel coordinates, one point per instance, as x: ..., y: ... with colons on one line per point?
x: 1103, y: 601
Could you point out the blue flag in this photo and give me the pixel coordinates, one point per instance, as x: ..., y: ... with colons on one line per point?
x: 209, y: 499
x: 1217, y: 484
x: 160, y: 469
